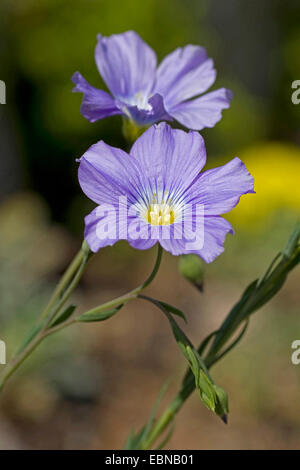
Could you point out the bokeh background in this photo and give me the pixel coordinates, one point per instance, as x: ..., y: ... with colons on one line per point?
x: 87, y: 387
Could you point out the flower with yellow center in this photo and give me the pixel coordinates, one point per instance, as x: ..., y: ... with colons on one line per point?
x: 158, y: 194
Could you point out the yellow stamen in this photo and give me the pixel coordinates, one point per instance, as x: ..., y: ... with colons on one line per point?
x: 160, y: 214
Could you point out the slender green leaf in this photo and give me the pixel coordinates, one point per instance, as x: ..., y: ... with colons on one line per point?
x: 130, y: 441
x: 292, y: 242
x: 64, y: 315
x: 203, y: 381
x: 205, y: 342
x: 207, y: 393
x: 173, y: 310
x: 151, y: 419
x: 95, y: 316
x: 194, y: 364
x: 168, y: 437
x: 222, y: 402
x: 232, y: 345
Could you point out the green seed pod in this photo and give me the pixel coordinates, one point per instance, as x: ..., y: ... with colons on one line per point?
x: 192, y: 268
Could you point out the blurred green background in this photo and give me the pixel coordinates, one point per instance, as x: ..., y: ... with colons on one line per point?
x: 88, y: 386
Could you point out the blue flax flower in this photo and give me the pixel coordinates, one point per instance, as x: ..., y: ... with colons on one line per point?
x: 145, y: 93
x: 157, y: 193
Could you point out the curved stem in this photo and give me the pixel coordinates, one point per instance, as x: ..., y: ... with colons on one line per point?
x: 271, y: 282
x: 73, y: 284
x: 20, y: 358
x: 155, y: 269
x: 65, y: 280
x: 61, y: 294
x: 132, y: 294
x: 169, y: 414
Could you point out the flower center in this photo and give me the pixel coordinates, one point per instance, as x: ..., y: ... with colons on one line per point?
x: 139, y: 100
x: 160, y: 214
x: 142, y: 102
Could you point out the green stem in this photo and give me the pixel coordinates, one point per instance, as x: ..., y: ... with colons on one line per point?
x: 61, y: 294
x: 174, y: 407
x: 65, y: 280
x: 18, y: 360
x: 155, y: 269
x: 68, y: 291
x: 264, y: 291
x: 132, y: 294
x: 169, y: 414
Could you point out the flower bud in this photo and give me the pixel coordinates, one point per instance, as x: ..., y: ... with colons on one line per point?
x: 192, y: 268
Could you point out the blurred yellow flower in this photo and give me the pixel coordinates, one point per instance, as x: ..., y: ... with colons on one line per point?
x: 276, y: 170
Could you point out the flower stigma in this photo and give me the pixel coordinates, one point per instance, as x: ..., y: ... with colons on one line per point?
x: 160, y: 214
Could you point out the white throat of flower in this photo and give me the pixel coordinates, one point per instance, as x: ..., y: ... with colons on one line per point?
x: 140, y: 101
x: 161, y: 210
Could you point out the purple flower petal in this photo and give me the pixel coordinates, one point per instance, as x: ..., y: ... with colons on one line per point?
x: 105, y: 173
x: 126, y: 63
x: 139, y: 234
x: 220, y: 189
x: 184, y: 74
x: 170, y: 158
x: 107, y: 224
x: 141, y: 244
x: 90, y: 232
x: 204, y: 111
x: 96, y: 104
x: 215, y: 230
